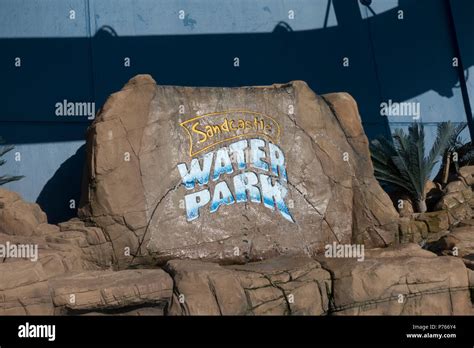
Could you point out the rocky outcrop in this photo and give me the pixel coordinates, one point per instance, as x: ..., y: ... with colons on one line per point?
x: 112, y: 292
x: 458, y: 243
x: 71, y: 274
x: 280, y: 286
x: 293, y: 179
x: 466, y: 174
x: 231, y: 175
x: 24, y: 289
x: 18, y: 217
x: 404, y: 280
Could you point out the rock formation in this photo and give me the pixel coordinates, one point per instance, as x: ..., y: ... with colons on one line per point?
x: 231, y: 174
x: 293, y: 177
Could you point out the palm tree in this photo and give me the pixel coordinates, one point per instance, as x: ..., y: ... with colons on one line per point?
x: 402, y: 164
x: 3, y: 150
x: 454, y: 146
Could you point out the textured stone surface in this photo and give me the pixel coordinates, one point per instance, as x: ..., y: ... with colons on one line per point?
x: 72, y: 276
x: 459, y: 243
x: 412, y: 231
x: 18, y: 217
x: 436, y: 221
x: 467, y: 174
x: 134, y: 190
x: 452, y: 199
x: 24, y: 289
x: 403, y: 280
x: 109, y: 291
x: 280, y: 286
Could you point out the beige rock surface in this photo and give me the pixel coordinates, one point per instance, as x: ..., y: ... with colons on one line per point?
x: 134, y: 190
x: 108, y: 291
x: 402, y: 280
x: 280, y: 286
x: 18, y: 217
x: 72, y: 276
x: 459, y: 243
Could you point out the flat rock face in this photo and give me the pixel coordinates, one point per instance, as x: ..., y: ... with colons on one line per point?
x: 401, y: 280
x: 231, y: 175
x: 280, y: 286
x: 458, y: 243
x: 108, y: 291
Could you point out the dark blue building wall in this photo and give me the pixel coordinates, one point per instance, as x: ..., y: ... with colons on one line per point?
x: 399, y: 50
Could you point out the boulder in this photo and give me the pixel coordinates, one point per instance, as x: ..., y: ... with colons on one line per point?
x: 412, y: 231
x: 280, y: 286
x: 459, y: 243
x: 405, y: 208
x: 436, y: 221
x: 71, y: 274
x: 455, y: 186
x: 453, y: 198
x: 111, y: 292
x: 24, y: 289
x: 401, y: 280
x: 458, y: 213
x: 402, y: 203
x: 18, y: 217
x: 72, y: 247
x: 466, y: 173
x: 230, y: 175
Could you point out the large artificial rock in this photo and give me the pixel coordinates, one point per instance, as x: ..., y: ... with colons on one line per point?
x: 71, y: 275
x: 412, y: 231
x: 404, y: 206
x: 110, y: 292
x: 452, y: 199
x: 284, y: 171
x: 457, y: 200
x: 18, y: 217
x: 60, y: 252
x: 436, y: 221
x: 459, y: 242
x: 280, y: 286
x: 24, y: 289
x: 402, y: 280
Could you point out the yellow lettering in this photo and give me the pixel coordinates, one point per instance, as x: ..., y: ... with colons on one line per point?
x: 201, y: 133
x: 209, y: 131
x: 216, y: 129
x: 225, y: 125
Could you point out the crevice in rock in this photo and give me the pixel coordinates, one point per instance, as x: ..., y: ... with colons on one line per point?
x: 275, y: 285
x: 184, y: 308
x: 315, y: 209
x: 138, y: 252
x: 212, y: 288
x: 331, y: 300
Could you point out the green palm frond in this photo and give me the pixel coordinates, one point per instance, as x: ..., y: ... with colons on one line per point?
x: 402, y: 163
